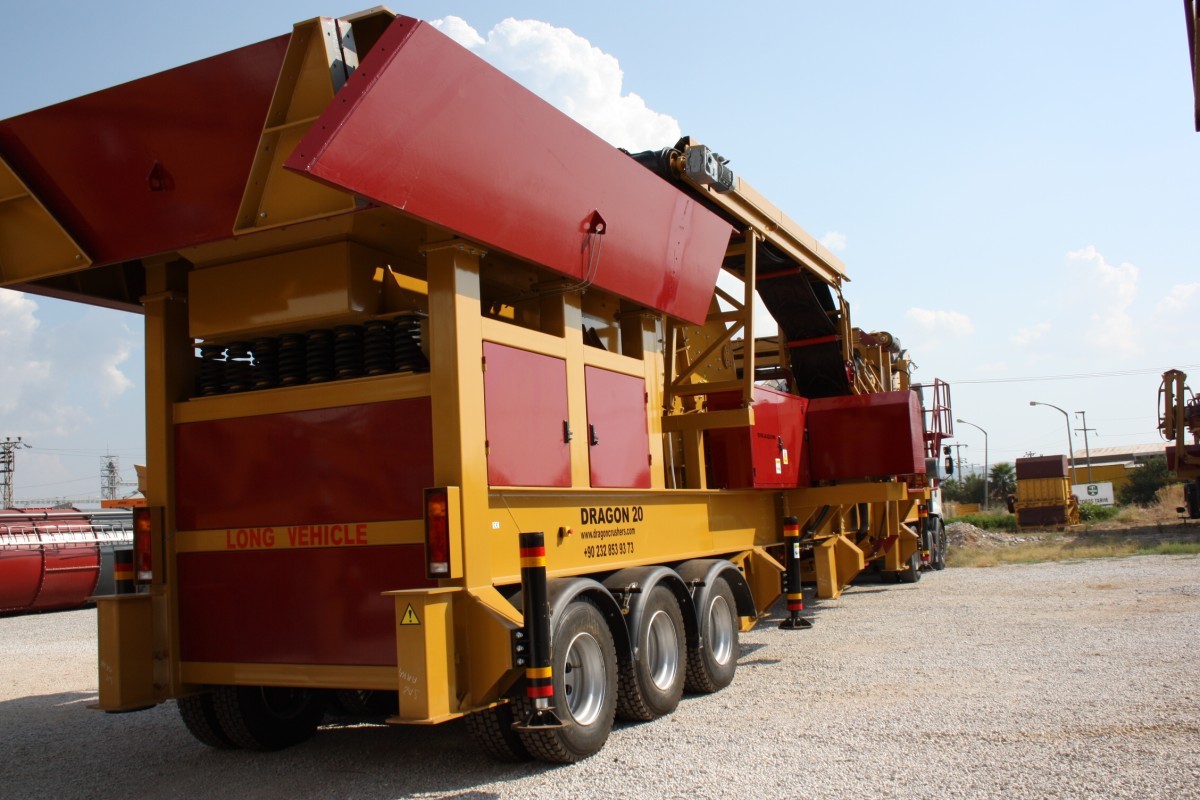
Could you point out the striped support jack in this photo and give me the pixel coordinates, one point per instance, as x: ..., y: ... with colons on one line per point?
x: 795, y: 592
x: 539, y: 675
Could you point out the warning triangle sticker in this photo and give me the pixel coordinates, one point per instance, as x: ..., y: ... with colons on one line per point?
x: 410, y: 617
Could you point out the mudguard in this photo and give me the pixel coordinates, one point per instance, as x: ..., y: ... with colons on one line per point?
x: 634, y: 584
x: 700, y: 574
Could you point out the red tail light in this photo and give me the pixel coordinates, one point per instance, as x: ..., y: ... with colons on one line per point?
x: 437, y: 533
x: 143, y: 548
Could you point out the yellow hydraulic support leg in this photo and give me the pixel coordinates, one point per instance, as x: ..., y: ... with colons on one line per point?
x: 837, y: 560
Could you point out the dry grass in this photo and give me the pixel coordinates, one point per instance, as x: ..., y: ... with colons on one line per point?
x: 1177, y: 539
x: 1153, y: 530
x: 1059, y: 547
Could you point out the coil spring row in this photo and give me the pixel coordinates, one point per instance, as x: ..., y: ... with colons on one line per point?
x: 378, y: 347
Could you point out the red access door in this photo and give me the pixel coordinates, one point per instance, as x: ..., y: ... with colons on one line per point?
x: 619, y: 443
x: 525, y: 400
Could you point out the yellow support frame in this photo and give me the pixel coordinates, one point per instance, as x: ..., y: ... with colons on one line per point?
x: 33, y: 244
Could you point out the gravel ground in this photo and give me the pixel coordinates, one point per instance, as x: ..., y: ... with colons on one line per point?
x: 1069, y: 680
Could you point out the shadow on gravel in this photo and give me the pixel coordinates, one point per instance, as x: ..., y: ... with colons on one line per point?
x: 56, y: 748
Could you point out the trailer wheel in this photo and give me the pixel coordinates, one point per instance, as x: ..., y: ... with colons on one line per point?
x: 492, y: 730
x: 585, y: 687
x: 268, y: 717
x: 650, y: 686
x: 912, y: 573
x: 941, y: 546
x: 711, y: 665
x: 200, y: 717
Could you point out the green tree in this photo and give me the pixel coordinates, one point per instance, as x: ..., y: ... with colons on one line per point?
x: 964, y: 489
x: 1144, y: 482
x: 1003, y: 479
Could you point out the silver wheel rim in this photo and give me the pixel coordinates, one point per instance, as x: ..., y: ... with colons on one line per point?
x: 583, y: 678
x: 720, y: 630
x: 662, y: 650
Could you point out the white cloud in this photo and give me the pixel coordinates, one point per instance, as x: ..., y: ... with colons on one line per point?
x: 52, y: 373
x: 834, y: 241
x: 460, y: 31
x: 1110, y: 291
x: 19, y: 368
x: 1030, y: 334
x: 1178, y: 301
x: 565, y: 69
x: 941, y: 323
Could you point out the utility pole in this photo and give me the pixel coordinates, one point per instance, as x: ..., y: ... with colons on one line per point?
x: 8, y: 467
x: 1087, y: 451
x: 958, y: 456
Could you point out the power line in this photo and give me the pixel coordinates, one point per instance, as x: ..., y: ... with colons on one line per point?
x: 1073, y: 376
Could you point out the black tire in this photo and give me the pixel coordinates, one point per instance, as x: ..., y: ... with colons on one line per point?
x: 650, y: 686
x: 711, y: 666
x: 268, y: 717
x: 200, y: 717
x: 584, y: 672
x: 1191, y: 498
x: 912, y: 573
x: 943, y: 545
x: 492, y: 730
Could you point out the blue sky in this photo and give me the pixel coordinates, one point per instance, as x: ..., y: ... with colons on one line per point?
x: 1013, y: 187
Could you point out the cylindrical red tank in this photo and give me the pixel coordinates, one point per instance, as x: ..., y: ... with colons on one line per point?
x: 51, y: 559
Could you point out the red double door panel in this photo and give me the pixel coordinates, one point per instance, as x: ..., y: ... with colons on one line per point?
x: 528, y: 422
x: 310, y: 605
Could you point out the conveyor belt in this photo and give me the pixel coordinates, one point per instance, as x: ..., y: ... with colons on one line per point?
x: 803, y: 306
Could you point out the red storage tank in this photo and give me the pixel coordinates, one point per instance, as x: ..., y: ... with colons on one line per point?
x: 52, y: 559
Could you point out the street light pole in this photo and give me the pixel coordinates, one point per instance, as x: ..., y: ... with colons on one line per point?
x: 1067, y: 417
x: 1087, y: 451
x: 986, y: 478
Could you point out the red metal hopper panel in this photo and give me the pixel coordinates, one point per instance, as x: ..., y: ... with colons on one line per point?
x: 865, y: 436
x: 428, y: 128
x: 153, y: 165
x: 770, y: 454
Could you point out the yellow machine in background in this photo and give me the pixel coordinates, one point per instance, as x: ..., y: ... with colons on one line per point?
x: 1179, y: 421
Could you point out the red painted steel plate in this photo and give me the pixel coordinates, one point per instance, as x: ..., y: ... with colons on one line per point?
x: 616, y: 409
x: 363, y: 463
x: 72, y: 571
x: 20, y: 576
x: 311, y: 606
x: 771, y: 454
x: 426, y: 127
x: 1042, y: 467
x: 196, y: 127
x: 865, y: 436
x: 1192, y: 452
x: 525, y: 400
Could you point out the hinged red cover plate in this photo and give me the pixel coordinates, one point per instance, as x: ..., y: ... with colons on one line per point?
x: 430, y: 129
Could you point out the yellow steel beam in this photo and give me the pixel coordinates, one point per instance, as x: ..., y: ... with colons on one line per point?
x: 33, y: 244
x: 169, y: 380
x: 314, y: 69
x: 745, y: 204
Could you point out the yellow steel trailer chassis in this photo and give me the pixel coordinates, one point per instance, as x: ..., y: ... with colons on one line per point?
x: 374, y: 372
